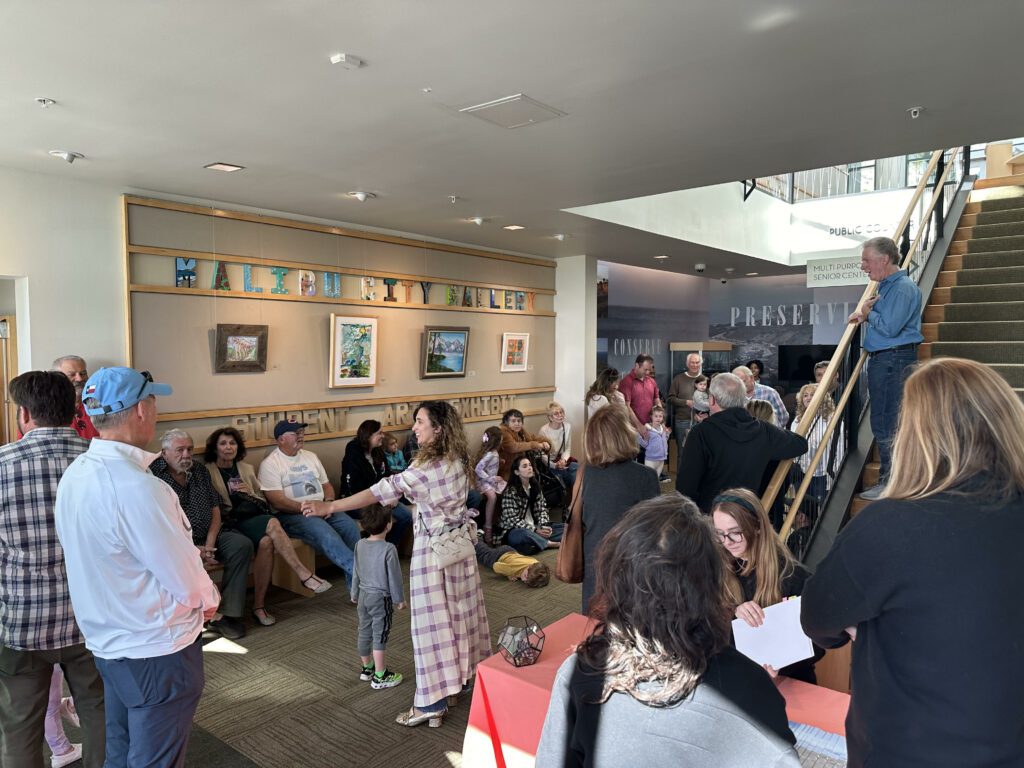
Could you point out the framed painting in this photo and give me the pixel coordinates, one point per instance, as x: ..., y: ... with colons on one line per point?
x: 444, y: 353
x: 241, y: 348
x: 353, y: 351
x: 515, y: 352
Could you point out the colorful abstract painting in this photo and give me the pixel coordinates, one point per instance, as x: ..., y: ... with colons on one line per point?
x: 353, y: 351
x: 515, y: 352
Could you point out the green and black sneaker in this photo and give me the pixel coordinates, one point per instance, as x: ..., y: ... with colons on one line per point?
x: 385, y: 679
x: 367, y: 674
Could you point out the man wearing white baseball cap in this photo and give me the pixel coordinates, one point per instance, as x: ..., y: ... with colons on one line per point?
x: 137, y: 583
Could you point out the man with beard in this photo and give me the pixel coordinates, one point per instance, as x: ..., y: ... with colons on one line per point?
x: 192, y: 485
x: 77, y: 372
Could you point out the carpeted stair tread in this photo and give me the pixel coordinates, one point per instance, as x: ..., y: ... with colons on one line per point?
x: 1000, y: 217
x: 990, y: 244
x: 994, y: 259
x: 981, y: 351
x: 1002, y: 204
x: 987, y: 293
x: 999, y: 311
x: 1007, y: 229
x: 985, y: 331
x: 991, y: 276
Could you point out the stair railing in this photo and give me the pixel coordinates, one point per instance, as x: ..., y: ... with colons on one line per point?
x: 912, y: 263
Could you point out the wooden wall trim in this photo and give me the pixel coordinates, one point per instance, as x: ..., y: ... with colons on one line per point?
x: 279, y: 221
x: 222, y: 412
x: 231, y: 258
x: 265, y: 296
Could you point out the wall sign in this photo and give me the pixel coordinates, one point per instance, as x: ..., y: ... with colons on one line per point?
x: 844, y: 270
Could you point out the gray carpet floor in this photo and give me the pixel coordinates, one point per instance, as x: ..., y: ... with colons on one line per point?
x: 290, y: 695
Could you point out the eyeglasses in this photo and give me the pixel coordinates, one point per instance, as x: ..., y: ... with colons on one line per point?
x: 734, y: 536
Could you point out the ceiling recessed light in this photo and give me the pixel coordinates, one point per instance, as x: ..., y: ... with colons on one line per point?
x: 226, y: 167
x: 513, y: 227
x: 662, y: 257
x: 347, y: 60
x: 361, y: 196
x: 44, y: 102
x: 478, y: 220
x: 730, y: 270
x: 753, y: 274
x: 560, y: 237
x: 66, y: 155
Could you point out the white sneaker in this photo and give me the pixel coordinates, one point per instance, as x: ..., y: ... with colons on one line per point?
x: 59, y: 761
x: 873, y: 493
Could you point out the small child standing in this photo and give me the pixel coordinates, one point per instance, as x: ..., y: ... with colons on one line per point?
x: 487, y: 480
x: 395, y: 458
x: 700, y: 393
x: 377, y: 589
x: 656, y: 442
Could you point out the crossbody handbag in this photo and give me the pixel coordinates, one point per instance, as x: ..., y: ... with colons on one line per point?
x: 569, y: 567
x: 452, y: 545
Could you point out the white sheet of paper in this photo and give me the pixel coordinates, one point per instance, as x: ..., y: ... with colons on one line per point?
x: 779, y: 641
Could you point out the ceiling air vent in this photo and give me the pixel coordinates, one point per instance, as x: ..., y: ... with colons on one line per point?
x: 513, y: 111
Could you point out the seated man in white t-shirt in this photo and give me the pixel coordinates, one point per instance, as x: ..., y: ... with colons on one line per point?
x: 289, y: 476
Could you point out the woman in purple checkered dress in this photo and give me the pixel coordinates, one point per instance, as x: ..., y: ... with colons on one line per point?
x: 450, y: 635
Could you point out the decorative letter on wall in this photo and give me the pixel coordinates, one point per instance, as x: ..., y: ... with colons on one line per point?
x: 426, y: 291
x: 408, y: 284
x: 184, y: 272
x: 332, y: 285
x: 307, y: 282
x: 247, y: 280
x: 220, y: 277
x: 390, y: 282
x: 279, y: 273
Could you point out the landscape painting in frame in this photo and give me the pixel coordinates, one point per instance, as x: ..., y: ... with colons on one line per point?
x: 241, y: 348
x: 353, y: 351
x: 445, y: 352
x: 515, y: 352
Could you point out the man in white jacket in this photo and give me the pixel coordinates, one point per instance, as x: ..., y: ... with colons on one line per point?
x: 137, y: 583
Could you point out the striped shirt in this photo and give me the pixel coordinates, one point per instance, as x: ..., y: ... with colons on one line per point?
x: 35, y: 607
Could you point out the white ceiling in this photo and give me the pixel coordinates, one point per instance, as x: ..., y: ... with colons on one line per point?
x: 660, y: 95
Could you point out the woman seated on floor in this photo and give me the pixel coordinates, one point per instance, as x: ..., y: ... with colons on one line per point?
x: 364, y: 465
x: 244, y: 509
x: 524, y: 524
x: 658, y: 683
x: 558, y: 434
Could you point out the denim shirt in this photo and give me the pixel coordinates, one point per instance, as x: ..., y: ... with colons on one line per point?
x: 896, y: 317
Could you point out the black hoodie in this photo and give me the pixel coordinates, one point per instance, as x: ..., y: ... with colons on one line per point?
x: 730, y: 450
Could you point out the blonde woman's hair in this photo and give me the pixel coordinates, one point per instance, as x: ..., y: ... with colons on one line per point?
x: 609, y: 437
x: 767, y: 557
x: 825, y: 408
x: 761, y: 410
x: 959, y: 421
x: 554, y: 405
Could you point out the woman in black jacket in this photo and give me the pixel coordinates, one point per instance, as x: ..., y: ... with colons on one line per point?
x: 363, y: 465
x: 928, y: 582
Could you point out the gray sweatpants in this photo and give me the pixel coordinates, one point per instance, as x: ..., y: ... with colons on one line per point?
x: 375, y: 610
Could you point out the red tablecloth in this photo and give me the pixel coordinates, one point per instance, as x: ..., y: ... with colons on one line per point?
x: 509, y: 703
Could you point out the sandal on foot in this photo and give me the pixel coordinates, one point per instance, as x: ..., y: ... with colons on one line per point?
x: 265, y: 619
x: 414, y: 718
x: 319, y: 586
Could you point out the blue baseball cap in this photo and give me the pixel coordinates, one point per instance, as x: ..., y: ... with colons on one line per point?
x: 110, y: 390
x: 288, y: 425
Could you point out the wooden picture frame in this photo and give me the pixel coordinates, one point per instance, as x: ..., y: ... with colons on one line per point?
x: 515, y: 352
x: 444, y: 352
x: 241, y: 348
x: 353, y: 358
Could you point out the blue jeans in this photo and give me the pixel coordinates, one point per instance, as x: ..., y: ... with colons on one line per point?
x: 886, y: 374
x: 681, y: 428
x: 335, y: 536
x: 150, y: 704
x: 527, y: 542
x: 567, y: 475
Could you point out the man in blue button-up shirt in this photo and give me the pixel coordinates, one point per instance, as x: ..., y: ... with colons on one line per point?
x: 892, y: 331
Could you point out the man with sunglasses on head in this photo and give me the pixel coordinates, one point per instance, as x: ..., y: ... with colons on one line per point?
x: 137, y: 583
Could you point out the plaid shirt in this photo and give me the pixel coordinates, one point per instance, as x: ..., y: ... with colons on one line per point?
x: 35, y: 607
